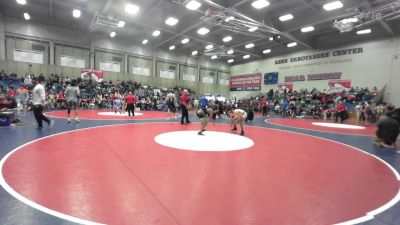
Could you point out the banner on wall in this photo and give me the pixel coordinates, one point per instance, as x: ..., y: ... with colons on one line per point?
x: 224, y: 82
x: 294, y: 78
x: 140, y: 70
x: 282, y: 86
x: 110, y: 66
x: 169, y: 74
x: 271, y: 78
x: 188, y: 77
x: 324, y: 76
x: 97, y: 75
x: 249, y: 82
x: 207, y: 80
x: 72, y: 61
x: 339, y: 84
x: 28, y: 56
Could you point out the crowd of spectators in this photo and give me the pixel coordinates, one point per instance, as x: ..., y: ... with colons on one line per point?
x: 93, y: 94
x: 287, y: 103
x: 365, y: 103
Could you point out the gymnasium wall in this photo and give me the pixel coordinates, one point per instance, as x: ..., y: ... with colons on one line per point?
x: 56, y: 42
x: 371, y: 64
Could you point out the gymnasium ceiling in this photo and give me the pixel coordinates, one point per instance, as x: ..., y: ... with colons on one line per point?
x: 99, y: 17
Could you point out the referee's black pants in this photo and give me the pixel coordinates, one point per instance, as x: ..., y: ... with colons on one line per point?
x: 185, y: 114
x: 38, y: 112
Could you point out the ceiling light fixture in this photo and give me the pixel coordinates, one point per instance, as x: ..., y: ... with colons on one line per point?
x: 266, y: 51
x: 291, y: 44
x: 230, y: 52
x: 229, y: 19
x: 195, y: 52
x: 208, y: 47
x: 21, y: 2
x: 131, y: 9
x: 227, y: 39
x: 203, y: 31
x: 252, y: 29
x: 171, y: 21
x: 27, y: 16
x: 350, y: 20
x: 286, y: 17
x: 366, y: 31
x: 333, y: 5
x: 250, y: 45
x: 231, y: 60
x: 76, y: 13
x: 145, y: 41
x: 185, y: 41
x: 193, y: 5
x: 307, y: 29
x: 214, y: 57
x: 246, y: 56
x: 172, y: 47
x: 156, y: 33
x: 259, y: 4
x: 112, y: 34
x: 121, y: 23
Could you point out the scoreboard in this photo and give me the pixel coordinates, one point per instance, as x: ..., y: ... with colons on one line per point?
x: 271, y: 78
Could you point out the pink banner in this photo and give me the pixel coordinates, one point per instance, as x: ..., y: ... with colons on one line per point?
x: 97, y: 75
x: 339, y: 84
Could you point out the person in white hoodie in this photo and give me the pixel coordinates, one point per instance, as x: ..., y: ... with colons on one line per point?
x: 39, y: 96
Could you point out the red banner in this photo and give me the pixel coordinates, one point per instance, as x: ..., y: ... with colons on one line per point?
x: 97, y: 75
x: 339, y: 84
x: 324, y: 76
x: 288, y: 86
x: 250, y: 82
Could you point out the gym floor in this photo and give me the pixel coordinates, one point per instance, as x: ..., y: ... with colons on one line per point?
x: 109, y: 169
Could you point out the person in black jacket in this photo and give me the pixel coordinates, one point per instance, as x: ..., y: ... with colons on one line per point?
x: 250, y: 115
x: 388, y: 129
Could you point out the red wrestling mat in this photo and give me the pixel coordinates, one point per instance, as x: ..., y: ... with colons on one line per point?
x: 110, y: 115
x: 326, y: 126
x: 120, y: 175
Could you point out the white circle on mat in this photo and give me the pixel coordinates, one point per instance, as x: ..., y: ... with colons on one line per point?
x: 212, y: 141
x: 117, y: 114
x: 339, y: 125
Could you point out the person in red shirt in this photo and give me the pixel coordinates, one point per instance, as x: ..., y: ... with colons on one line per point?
x: 184, y: 103
x: 12, y: 92
x: 340, y: 111
x: 130, y: 101
x: 61, y: 100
